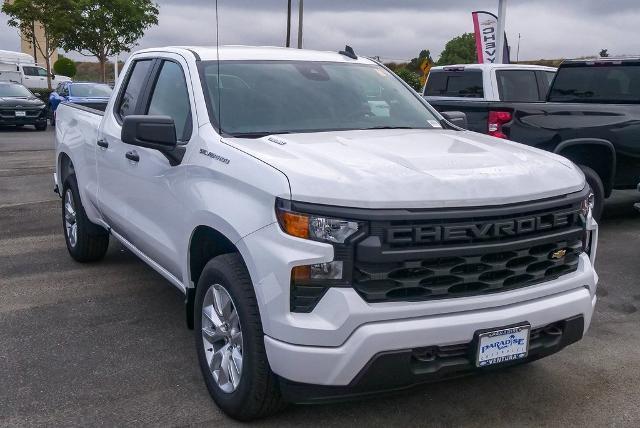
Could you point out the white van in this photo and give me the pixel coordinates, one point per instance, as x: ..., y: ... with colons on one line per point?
x: 21, y: 68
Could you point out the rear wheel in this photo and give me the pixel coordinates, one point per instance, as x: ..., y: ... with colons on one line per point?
x: 230, y: 341
x: 41, y: 126
x: 86, y: 241
x: 594, y: 181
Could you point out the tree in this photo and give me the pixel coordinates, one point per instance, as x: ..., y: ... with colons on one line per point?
x: 459, y: 50
x: 52, y: 16
x: 65, y: 67
x: 102, y: 28
x: 604, y: 53
x: 410, y: 77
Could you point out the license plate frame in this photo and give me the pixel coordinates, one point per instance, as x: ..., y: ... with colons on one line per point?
x: 488, y: 341
x: 21, y: 113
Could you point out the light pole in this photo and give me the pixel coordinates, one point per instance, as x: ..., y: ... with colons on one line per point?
x: 288, y: 43
x: 300, y: 13
x: 518, y: 52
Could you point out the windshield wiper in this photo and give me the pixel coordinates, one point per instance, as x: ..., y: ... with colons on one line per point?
x: 390, y: 127
x: 257, y: 134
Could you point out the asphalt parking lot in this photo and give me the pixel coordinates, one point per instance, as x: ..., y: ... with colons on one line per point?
x: 106, y: 344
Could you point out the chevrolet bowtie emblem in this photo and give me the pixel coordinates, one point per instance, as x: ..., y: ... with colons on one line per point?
x: 558, y: 254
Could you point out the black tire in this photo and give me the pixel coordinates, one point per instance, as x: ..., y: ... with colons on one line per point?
x: 41, y: 126
x: 91, y: 240
x: 257, y: 394
x: 594, y: 181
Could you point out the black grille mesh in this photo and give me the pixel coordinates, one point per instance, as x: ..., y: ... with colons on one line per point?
x: 447, y: 277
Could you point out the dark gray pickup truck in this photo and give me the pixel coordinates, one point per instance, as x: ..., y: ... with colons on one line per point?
x: 591, y: 115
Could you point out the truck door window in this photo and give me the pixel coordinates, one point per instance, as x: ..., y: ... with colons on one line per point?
x: 30, y: 71
x: 467, y: 83
x: 517, y: 85
x: 133, y: 89
x: 41, y: 72
x: 170, y: 97
x: 608, y: 83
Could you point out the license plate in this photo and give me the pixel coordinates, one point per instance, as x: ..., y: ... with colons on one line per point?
x: 21, y: 113
x: 500, y: 346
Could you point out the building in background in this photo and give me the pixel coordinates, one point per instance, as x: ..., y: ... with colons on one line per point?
x: 29, y: 48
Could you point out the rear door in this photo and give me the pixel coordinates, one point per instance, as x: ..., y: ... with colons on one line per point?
x: 111, y: 154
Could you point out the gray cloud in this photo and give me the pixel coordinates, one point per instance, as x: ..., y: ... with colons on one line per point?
x: 394, y: 29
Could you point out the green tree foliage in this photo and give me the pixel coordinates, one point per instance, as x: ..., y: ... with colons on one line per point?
x: 65, y: 67
x: 459, y: 50
x: 102, y: 28
x: 53, y: 16
x: 412, y: 78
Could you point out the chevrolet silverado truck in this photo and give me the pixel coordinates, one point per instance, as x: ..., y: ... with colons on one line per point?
x: 327, y: 247
x: 591, y: 116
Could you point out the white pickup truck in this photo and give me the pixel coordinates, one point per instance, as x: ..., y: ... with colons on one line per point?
x: 326, y: 247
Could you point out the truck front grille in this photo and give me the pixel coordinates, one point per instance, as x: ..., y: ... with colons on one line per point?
x: 448, y: 277
x: 439, y: 254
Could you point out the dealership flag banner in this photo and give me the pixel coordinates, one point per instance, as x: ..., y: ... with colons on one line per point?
x: 485, y: 25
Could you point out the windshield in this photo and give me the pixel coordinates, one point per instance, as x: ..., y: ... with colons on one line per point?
x: 14, y: 91
x: 258, y: 98
x: 90, y: 90
x: 597, y: 83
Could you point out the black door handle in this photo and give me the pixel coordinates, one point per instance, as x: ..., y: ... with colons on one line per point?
x: 103, y: 143
x: 132, y: 156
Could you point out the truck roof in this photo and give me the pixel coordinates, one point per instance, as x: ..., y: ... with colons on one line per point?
x: 274, y: 53
x: 11, y: 57
x: 494, y: 67
x: 600, y: 60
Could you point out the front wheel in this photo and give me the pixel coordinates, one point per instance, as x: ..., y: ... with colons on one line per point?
x: 41, y: 126
x: 230, y: 341
x: 594, y: 181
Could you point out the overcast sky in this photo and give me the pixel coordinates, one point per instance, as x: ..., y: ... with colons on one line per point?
x: 395, y: 29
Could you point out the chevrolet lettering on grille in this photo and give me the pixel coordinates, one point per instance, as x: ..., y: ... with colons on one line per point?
x: 424, y: 234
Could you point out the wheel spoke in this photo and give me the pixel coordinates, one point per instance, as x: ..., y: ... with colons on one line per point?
x: 212, y: 335
x: 236, y: 359
x: 236, y: 339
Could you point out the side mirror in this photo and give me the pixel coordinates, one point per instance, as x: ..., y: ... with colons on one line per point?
x: 457, y: 118
x: 53, y: 76
x: 153, y: 132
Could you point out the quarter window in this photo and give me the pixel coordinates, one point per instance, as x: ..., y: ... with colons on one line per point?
x: 517, y: 85
x: 170, y: 97
x: 133, y: 89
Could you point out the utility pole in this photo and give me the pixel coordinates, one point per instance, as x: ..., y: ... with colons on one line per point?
x: 502, y: 17
x: 288, y: 43
x: 300, y: 13
x: 518, y: 52
x: 115, y: 69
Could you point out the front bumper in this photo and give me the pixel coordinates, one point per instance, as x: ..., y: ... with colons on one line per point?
x: 11, y: 119
x: 341, y: 365
x: 405, y: 368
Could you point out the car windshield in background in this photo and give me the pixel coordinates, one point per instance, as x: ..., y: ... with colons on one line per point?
x: 14, y: 91
x: 90, y: 90
x: 258, y: 98
x: 598, y: 83
x: 455, y: 83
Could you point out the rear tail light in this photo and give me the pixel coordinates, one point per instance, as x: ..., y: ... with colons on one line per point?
x: 495, y: 122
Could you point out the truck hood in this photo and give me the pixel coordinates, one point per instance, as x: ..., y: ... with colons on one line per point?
x: 415, y: 168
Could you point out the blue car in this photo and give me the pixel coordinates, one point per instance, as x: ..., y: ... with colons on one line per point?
x: 88, y: 94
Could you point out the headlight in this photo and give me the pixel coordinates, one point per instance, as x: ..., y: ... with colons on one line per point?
x: 587, y: 205
x: 317, y: 228
x: 310, y: 282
